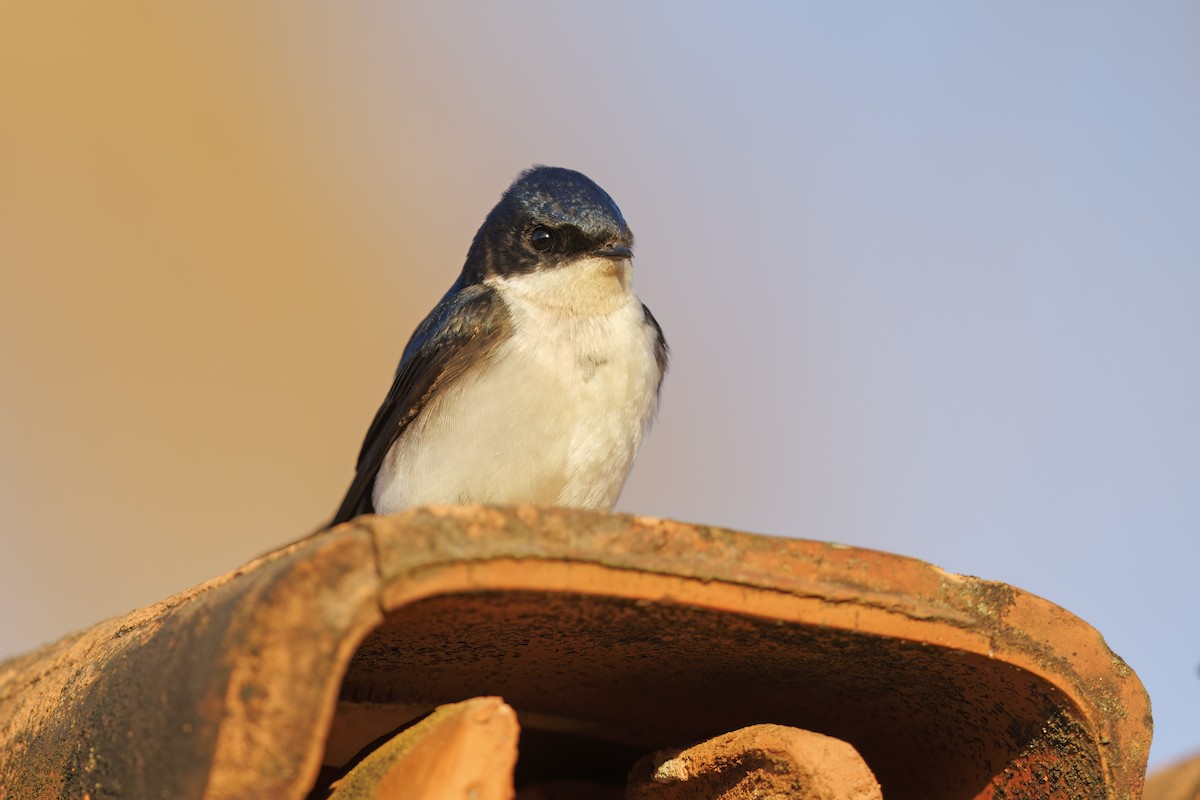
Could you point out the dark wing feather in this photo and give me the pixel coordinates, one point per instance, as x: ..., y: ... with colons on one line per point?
x: 662, y: 353
x: 467, y: 325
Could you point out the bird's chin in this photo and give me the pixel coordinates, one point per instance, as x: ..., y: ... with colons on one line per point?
x: 620, y: 269
x: 584, y: 286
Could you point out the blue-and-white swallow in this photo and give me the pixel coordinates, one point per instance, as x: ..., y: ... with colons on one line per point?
x: 536, y: 377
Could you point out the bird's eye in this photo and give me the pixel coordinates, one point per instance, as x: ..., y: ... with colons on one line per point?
x: 541, y: 239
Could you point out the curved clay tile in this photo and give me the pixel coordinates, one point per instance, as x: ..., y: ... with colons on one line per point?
x: 610, y: 636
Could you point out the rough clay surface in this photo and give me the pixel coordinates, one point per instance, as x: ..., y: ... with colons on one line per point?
x: 756, y: 763
x: 630, y: 633
x: 466, y: 750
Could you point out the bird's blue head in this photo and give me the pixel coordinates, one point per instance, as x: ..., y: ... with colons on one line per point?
x: 548, y: 217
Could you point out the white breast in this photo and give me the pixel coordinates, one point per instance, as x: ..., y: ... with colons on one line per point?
x: 555, y: 418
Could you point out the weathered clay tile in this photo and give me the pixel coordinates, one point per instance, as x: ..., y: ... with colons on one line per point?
x: 611, y: 637
x: 465, y: 749
x: 755, y: 763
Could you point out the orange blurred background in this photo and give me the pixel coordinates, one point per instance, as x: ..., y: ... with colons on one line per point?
x: 186, y: 368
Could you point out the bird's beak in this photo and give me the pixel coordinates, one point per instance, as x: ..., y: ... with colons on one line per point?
x: 615, y: 250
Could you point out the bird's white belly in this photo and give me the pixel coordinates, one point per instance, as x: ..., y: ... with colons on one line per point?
x: 556, y: 418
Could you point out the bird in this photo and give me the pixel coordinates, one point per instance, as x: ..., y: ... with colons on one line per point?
x: 535, y: 379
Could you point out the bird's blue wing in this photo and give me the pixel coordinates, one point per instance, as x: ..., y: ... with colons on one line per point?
x: 467, y: 325
x: 662, y: 353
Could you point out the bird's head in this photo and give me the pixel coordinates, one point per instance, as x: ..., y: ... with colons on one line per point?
x: 549, y: 217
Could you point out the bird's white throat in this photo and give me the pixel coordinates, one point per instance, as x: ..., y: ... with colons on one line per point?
x: 586, y: 287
